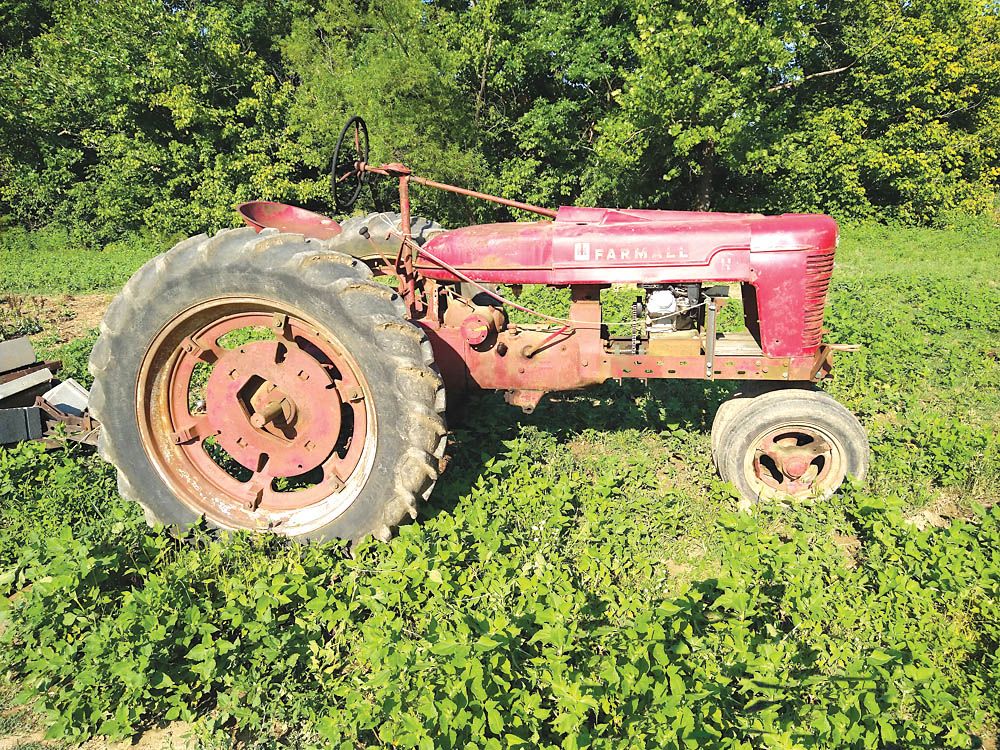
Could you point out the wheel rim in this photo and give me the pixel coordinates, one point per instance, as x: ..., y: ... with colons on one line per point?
x: 256, y: 416
x: 795, y: 460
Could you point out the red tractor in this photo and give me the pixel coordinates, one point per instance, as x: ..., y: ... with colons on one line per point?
x: 262, y: 378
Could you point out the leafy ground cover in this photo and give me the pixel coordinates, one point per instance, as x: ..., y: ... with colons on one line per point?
x: 52, y: 261
x: 580, y: 578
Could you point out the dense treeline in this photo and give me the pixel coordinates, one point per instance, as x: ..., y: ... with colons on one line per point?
x: 120, y: 114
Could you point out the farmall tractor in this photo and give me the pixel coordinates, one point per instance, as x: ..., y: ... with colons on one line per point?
x: 263, y: 379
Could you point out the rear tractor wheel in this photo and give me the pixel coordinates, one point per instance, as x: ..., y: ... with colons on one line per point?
x: 266, y: 382
x: 789, y: 444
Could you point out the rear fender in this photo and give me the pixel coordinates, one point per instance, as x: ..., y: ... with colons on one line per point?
x: 262, y: 215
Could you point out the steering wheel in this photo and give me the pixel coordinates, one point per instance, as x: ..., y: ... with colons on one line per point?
x: 346, y: 180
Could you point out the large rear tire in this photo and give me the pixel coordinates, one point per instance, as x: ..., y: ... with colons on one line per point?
x: 265, y: 382
x: 383, y: 232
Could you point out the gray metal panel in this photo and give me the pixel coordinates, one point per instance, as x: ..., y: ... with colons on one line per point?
x: 33, y: 422
x: 17, y: 425
x: 69, y: 397
x: 16, y: 353
x: 24, y: 383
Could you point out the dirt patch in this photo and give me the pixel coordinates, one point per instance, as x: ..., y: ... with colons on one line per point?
x: 951, y: 504
x: 73, y: 316
x: 676, y: 569
x: 175, y: 736
x: 57, y: 318
x: 927, y: 518
x: 984, y: 491
x: 87, y: 311
x: 35, y: 739
x: 849, y: 545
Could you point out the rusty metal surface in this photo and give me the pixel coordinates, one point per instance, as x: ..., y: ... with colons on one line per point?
x: 485, y: 196
x: 271, y: 215
x: 531, y: 361
x: 283, y: 409
x: 783, y: 262
x: 771, y: 255
x: 396, y: 169
x: 263, y: 383
x: 61, y: 425
x: 796, y: 461
x: 28, y: 415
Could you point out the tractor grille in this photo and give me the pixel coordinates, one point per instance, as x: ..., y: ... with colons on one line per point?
x: 819, y: 268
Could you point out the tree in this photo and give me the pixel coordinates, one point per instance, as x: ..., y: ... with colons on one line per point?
x: 863, y: 108
x: 904, y: 125
x: 116, y: 115
x: 141, y: 114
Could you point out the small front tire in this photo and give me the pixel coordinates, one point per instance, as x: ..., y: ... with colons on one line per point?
x: 790, y: 444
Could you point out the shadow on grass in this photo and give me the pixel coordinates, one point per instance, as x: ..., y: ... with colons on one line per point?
x: 486, y: 421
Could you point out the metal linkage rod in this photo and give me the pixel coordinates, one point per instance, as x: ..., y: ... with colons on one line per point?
x: 548, y: 212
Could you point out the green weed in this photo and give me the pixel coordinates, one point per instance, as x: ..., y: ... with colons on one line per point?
x: 53, y: 261
x: 16, y: 319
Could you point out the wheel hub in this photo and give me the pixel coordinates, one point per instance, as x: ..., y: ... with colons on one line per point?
x: 793, y: 462
x: 273, y: 411
x: 273, y: 405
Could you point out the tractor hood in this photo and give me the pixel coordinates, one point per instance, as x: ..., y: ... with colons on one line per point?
x: 601, y: 246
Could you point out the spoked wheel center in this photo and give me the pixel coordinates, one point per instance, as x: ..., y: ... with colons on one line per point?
x: 795, y: 460
x: 251, y: 432
x: 274, y: 408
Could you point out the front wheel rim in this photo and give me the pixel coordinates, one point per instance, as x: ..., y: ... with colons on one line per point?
x: 797, y: 460
x: 283, y: 434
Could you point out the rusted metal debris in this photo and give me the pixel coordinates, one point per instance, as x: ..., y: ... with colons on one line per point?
x: 35, y: 405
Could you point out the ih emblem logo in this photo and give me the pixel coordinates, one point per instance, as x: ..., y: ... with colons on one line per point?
x: 581, y: 251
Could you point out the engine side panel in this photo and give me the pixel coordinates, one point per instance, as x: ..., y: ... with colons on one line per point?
x: 788, y: 259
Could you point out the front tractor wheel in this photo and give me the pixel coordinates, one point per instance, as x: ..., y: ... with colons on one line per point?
x: 790, y: 444
x: 266, y: 382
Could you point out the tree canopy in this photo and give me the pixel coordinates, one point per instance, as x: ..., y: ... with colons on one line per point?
x: 118, y: 115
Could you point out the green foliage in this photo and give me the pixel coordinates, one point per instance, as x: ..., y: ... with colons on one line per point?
x: 859, y: 109
x: 922, y: 313
x: 42, y: 490
x: 16, y: 319
x: 142, y: 114
x: 456, y: 632
x: 390, y: 62
x: 73, y: 355
x: 148, y: 114
x: 52, y: 260
x: 904, y: 131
